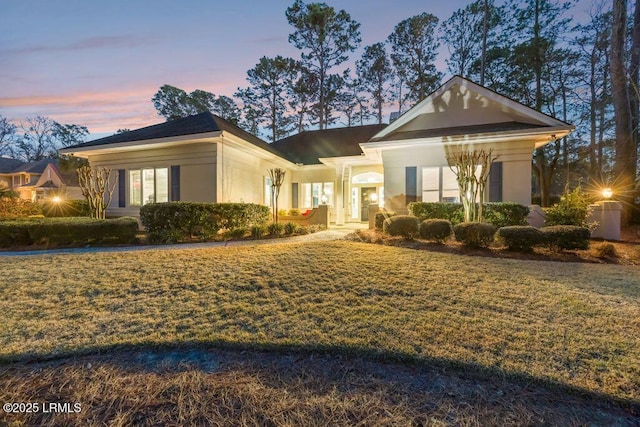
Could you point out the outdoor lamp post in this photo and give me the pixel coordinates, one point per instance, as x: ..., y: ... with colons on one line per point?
x: 607, y: 193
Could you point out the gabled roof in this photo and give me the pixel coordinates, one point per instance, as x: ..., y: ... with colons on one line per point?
x: 462, y: 107
x: 8, y: 165
x: 309, y: 147
x: 192, y: 125
x: 34, y: 167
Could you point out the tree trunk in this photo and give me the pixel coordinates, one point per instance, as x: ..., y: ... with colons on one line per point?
x: 624, y: 167
x: 485, y: 29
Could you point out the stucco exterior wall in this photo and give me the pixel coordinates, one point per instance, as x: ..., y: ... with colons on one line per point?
x: 197, y: 171
x: 516, y: 173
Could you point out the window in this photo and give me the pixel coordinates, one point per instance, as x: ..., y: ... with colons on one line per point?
x: 439, y: 184
x: 317, y: 193
x: 268, y: 197
x: 148, y: 186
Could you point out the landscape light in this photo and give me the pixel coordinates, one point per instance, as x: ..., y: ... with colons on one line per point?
x: 56, y: 199
x: 607, y: 193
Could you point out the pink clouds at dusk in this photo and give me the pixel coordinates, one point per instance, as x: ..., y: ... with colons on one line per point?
x: 98, y: 64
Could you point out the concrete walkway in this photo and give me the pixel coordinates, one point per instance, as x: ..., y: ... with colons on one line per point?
x: 336, y: 232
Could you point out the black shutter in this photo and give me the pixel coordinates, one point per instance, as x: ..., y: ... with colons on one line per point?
x: 175, y: 183
x: 411, y: 184
x: 294, y: 195
x: 121, y: 189
x: 495, y: 182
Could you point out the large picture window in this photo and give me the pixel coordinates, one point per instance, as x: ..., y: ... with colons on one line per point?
x: 148, y: 186
x: 439, y: 184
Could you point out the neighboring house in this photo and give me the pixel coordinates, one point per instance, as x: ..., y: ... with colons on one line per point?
x: 38, y: 180
x: 205, y: 158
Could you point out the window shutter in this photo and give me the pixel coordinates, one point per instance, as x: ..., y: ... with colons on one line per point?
x: 294, y: 195
x: 411, y: 184
x: 175, y: 183
x: 122, y: 185
x: 495, y: 182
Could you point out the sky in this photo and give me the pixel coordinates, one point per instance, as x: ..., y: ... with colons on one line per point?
x: 98, y: 63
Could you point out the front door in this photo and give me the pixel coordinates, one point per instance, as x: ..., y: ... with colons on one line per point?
x: 366, y: 200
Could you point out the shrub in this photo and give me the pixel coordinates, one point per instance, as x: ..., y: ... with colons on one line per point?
x: 289, y: 228
x: 520, y: 237
x: 505, y: 214
x: 572, y: 209
x: 437, y: 230
x: 605, y: 250
x: 257, y: 231
x: 235, y: 233
x: 275, y: 229
x: 380, y: 217
x: 66, y: 208
x: 14, y: 207
x: 302, y: 230
x: 203, y: 220
x: 64, y: 231
x: 401, y: 225
x: 474, y: 234
x: 435, y: 210
x: 294, y: 212
x: 560, y: 237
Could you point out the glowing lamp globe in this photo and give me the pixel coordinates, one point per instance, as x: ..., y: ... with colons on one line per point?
x: 607, y: 193
x: 56, y: 199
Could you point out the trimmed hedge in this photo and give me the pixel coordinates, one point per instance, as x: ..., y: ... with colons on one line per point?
x: 520, y: 237
x: 437, y: 230
x: 475, y: 234
x: 406, y: 226
x: 380, y: 218
x: 174, y: 221
x: 65, y: 231
x: 500, y: 214
x: 14, y: 207
x: 560, y: 237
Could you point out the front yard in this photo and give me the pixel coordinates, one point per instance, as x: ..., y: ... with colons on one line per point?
x: 574, y: 324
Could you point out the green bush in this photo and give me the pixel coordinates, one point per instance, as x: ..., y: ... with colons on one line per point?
x: 406, y: 226
x: 560, y: 237
x: 289, y: 228
x: 500, y: 214
x: 257, y: 231
x: 380, y: 217
x: 505, y: 214
x: 66, y: 208
x: 437, y: 230
x: 453, y: 212
x: 202, y: 220
x: 605, y: 250
x: 14, y: 207
x: 520, y: 237
x: 302, y: 230
x: 65, y: 231
x: 572, y: 209
x: 235, y: 233
x: 275, y: 229
x: 475, y: 234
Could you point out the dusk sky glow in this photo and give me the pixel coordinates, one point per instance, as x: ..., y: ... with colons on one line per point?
x: 98, y: 63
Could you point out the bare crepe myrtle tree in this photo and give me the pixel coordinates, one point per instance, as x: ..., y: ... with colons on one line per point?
x: 277, y: 178
x: 97, y: 188
x: 472, y: 185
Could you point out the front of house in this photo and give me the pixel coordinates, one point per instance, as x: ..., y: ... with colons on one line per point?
x: 204, y: 158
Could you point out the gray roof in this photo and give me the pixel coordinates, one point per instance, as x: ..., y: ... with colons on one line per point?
x: 309, y: 147
x: 191, y: 125
x: 8, y: 165
x: 458, y: 130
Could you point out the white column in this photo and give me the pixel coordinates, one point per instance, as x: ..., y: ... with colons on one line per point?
x: 339, y: 196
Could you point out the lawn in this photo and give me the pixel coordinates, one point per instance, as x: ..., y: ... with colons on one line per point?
x: 567, y: 324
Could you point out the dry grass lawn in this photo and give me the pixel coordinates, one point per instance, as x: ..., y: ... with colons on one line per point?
x: 566, y: 324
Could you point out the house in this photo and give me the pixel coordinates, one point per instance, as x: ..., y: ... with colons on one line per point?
x: 207, y: 159
x: 38, y: 180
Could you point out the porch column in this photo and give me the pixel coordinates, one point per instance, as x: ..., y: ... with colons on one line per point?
x: 339, y: 196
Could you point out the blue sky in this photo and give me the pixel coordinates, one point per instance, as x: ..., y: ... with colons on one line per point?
x: 98, y: 63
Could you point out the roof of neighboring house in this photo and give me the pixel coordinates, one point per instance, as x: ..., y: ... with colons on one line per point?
x: 33, y: 167
x: 48, y: 184
x: 458, y: 130
x: 309, y: 146
x: 191, y: 125
x: 8, y: 165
